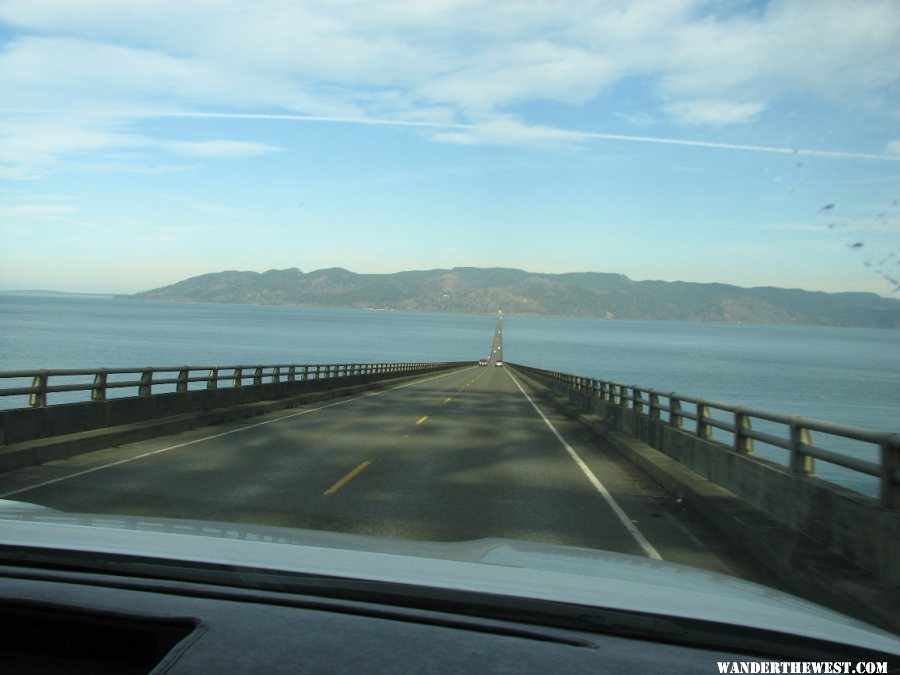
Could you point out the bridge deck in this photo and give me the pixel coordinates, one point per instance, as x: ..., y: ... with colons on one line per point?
x: 456, y: 456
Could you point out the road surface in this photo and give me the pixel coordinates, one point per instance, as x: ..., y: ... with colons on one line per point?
x: 461, y: 455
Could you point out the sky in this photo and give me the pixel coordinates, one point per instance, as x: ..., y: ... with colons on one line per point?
x: 751, y: 143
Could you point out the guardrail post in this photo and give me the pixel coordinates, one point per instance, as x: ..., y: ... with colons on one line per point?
x: 890, y: 473
x: 654, y: 406
x: 292, y: 374
x: 237, y: 377
x: 212, y: 379
x: 145, y: 388
x: 276, y: 375
x: 637, y: 403
x: 623, y: 395
x: 704, y: 428
x: 801, y: 464
x: 182, y: 384
x: 604, y: 391
x: 38, y: 399
x: 742, y: 442
x: 258, y: 375
x: 98, y: 390
x: 675, y: 418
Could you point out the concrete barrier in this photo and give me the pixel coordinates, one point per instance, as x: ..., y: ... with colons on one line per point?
x: 34, y: 435
x: 833, y: 546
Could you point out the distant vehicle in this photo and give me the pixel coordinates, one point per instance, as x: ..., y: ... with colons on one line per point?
x: 499, y: 364
x: 482, y: 362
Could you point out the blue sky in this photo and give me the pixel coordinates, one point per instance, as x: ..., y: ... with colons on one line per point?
x: 753, y: 143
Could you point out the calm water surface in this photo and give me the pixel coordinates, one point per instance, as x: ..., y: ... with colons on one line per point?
x: 844, y: 375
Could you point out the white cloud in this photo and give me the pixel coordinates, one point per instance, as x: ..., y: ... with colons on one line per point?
x: 218, y: 149
x: 507, y: 131
x: 453, y: 61
x: 712, y: 112
x: 29, y: 145
x: 41, y: 143
x: 523, y: 71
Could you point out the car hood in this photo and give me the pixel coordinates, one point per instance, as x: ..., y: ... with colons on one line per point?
x: 537, y: 571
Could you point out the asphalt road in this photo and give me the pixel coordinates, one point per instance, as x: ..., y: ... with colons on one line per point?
x: 456, y: 456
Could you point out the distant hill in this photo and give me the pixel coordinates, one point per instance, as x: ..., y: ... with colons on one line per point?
x: 584, y: 294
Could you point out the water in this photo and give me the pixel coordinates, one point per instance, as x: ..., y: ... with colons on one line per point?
x: 845, y: 375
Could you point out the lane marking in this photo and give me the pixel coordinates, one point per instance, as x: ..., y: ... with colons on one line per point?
x: 448, y: 399
x: 52, y: 481
x: 421, y: 420
x: 346, y: 479
x: 638, y: 536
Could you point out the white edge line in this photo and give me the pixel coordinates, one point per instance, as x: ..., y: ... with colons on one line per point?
x: 10, y: 493
x: 642, y: 541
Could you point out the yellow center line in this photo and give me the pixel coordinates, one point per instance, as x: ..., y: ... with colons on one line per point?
x: 422, y: 419
x: 346, y: 479
x: 448, y: 399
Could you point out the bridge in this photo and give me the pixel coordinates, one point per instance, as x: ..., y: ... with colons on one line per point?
x: 457, y: 451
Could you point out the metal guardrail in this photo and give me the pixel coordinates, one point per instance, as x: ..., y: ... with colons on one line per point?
x: 738, y: 423
x: 99, y: 381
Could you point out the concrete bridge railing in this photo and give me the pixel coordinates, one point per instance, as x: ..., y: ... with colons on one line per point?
x: 863, y: 529
x: 68, y: 401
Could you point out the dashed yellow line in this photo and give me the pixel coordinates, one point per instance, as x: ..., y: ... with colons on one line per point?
x: 448, y: 399
x: 346, y: 479
x: 422, y: 419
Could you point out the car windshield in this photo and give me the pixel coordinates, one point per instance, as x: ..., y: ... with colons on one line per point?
x: 622, y: 276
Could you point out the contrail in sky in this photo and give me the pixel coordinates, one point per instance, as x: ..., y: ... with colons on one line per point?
x: 736, y: 146
x: 575, y: 135
x: 572, y: 134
